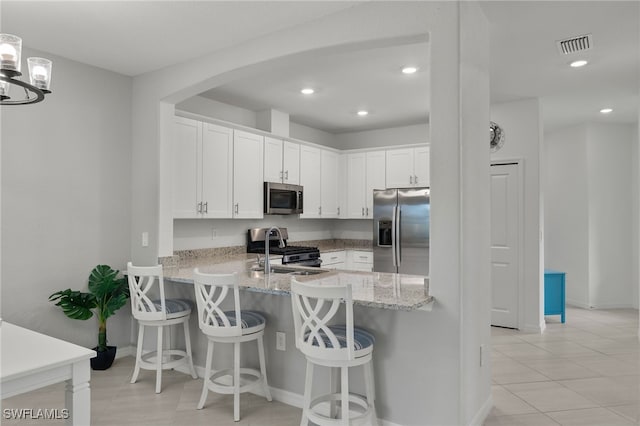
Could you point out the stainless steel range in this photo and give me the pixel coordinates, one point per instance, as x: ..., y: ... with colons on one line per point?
x: 291, y: 255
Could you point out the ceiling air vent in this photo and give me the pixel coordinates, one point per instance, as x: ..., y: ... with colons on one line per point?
x: 575, y: 44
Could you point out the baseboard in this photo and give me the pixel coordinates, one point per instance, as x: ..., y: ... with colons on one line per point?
x: 577, y: 304
x: 125, y: 351
x: 601, y: 306
x: 482, y: 413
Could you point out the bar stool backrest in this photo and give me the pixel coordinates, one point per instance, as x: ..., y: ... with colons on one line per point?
x: 211, y: 291
x: 142, y: 281
x: 314, y: 309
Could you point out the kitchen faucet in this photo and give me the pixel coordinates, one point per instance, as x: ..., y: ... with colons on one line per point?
x: 267, y: 239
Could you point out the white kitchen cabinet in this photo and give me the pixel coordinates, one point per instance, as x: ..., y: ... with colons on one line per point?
x: 310, y: 172
x: 329, y: 190
x: 407, y: 167
x: 359, y: 260
x: 281, y: 161
x: 202, y: 154
x: 247, y: 175
x: 333, y: 259
x: 365, y: 172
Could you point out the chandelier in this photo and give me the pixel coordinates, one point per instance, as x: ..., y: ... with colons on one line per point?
x: 39, y: 73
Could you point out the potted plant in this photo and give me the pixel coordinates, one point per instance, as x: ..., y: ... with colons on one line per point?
x: 107, y: 294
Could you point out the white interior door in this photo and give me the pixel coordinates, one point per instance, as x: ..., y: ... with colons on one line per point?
x: 505, y: 188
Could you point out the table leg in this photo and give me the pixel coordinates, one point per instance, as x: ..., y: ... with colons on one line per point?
x: 78, y: 395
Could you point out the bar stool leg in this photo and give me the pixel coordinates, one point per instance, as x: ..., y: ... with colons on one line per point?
x: 370, y: 389
x: 136, y: 370
x: 187, y: 341
x: 207, y: 374
x: 334, y: 380
x: 159, y: 361
x: 344, y: 386
x: 307, y: 394
x: 236, y: 382
x: 263, y: 369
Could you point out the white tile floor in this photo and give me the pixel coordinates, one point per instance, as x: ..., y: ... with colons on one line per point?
x: 583, y: 372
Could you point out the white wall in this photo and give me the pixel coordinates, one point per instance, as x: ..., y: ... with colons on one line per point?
x: 211, y: 108
x: 458, y: 389
x: 309, y: 134
x: 66, y: 189
x: 635, y: 227
x: 609, y: 150
x: 590, y: 205
x: 566, y: 214
x: 404, y: 135
x: 521, y: 121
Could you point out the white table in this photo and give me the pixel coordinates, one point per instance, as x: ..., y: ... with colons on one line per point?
x: 31, y: 360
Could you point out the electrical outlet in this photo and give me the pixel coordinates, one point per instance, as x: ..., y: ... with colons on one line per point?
x: 145, y: 239
x: 281, y: 341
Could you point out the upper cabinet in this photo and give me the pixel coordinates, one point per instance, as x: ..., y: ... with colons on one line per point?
x: 329, y: 189
x: 202, y: 159
x: 247, y: 175
x: 365, y: 172
x: 407, y: 167
x: 310, y: 171
x: 281, y: 161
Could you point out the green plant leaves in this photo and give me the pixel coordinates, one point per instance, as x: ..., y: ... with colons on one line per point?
x: 75, y: 304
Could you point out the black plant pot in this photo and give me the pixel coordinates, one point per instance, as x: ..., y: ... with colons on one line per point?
x: 104, y: 359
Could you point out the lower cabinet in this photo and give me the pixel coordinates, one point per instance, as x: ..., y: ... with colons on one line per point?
x: 360, y: 260
x: 348, y: 260
x: 333, y: 260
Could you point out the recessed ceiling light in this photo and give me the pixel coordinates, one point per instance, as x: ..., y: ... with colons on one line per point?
x: 578, y: 64
x: 409, y: 70
x: 307, y: 91
x: 362, y: 113
x: 606, y: 110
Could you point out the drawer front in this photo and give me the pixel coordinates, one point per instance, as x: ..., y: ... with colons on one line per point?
x: 363, y: 257
x: 333, y: 257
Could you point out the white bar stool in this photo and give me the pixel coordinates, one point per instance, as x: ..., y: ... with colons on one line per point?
x: 335, y: 346
x: 157, y: 313
x: 222, y: 327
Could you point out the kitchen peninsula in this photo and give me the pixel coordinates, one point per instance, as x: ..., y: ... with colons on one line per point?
x: 391, y: 306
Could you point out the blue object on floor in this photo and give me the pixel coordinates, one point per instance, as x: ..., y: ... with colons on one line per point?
x: 554, y: 293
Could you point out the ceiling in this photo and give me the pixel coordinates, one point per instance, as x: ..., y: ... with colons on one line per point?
x: 133, y: 37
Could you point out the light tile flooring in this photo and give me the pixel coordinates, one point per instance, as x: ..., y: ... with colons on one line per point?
x: 584, y: 372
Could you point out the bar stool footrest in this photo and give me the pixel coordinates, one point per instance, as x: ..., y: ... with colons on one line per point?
x: 362, y: 414
x: 215, y: 386
x: 166, y: 365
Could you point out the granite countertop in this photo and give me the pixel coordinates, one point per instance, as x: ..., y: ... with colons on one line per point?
x: 374, y: 289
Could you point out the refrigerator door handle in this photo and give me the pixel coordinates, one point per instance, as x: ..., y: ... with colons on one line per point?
x: 394, y: 241
x: 397, y: 252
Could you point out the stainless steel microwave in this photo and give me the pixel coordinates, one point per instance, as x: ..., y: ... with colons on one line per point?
x: 282, y: 198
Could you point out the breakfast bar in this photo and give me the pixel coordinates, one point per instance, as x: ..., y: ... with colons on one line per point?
x: 394, y: 307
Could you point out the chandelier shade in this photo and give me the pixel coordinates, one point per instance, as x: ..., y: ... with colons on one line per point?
x: 10, y: 66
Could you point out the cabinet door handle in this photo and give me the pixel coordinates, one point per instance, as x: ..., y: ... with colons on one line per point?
x: 320, y: 210
x: 363, y: 211
x: 206, y: 207
x: 236, y: 208
x: 367, y: 211
x: 415, y: 179
x: 338, y: 211
x: 281, y: 177
x: 286, y: 175
x: 199, y: 208
x: 410, y: 179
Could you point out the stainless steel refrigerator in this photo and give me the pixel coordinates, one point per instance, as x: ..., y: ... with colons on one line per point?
x: 401, y: 231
